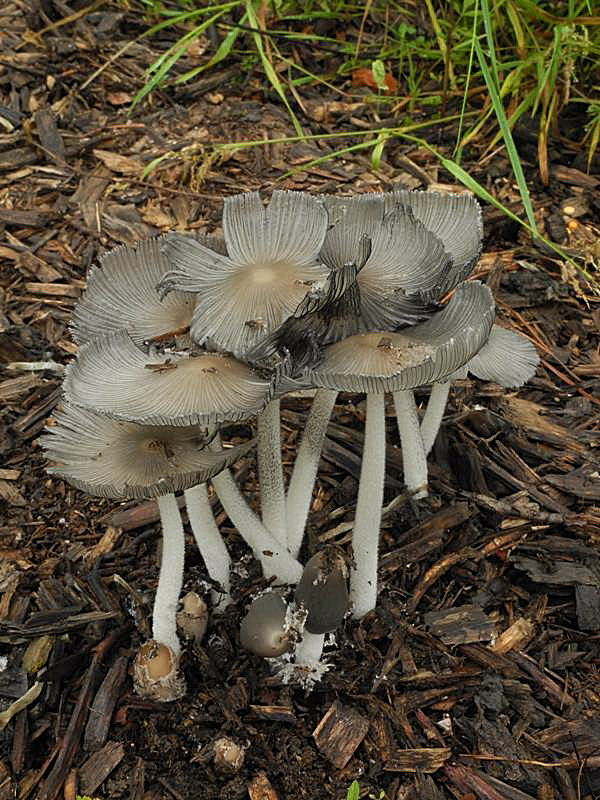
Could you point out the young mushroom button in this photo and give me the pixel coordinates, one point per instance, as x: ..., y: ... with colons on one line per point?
x: 263, y: 630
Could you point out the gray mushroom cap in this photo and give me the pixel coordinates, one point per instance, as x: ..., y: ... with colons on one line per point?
x: 388, y: 362
x: 263, y: 629
x: 121, y: 293
x: 404, y: 268
x: 323, y: 591
x: 272, y: 263
x: 454, y: 219
x: 507, y: 358
x: 107, y: 458
x: 114, y: 377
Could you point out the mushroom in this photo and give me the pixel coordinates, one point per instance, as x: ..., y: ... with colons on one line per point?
x: 264, y: 630
x: 455, y: 220
x: 381, y: 361
x: 108, y: 458
x: 121, y: 293
x: 507, y: 358
x: 192, y: 620
x: 181, y: 389
x: 272, y: 264
x: 164, y: 388
x: 386, y: 270
x: 323, y: 593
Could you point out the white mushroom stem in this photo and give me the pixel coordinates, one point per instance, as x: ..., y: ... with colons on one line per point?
x: 274, y: 557
x: 414, y: 460
x: 170, y: 577
x: 365, y: 538
x: 302, y: 482
x: 434, y: 413
x: 270, y: 471
x: 210, y: 542
x: 310, y: 649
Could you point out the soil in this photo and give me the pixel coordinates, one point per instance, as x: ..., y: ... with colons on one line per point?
x: 477, y: 676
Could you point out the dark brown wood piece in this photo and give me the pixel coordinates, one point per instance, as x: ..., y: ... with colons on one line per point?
x: 339, y: 733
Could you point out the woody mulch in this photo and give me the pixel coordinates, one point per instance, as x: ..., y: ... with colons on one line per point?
x: 478, y: 674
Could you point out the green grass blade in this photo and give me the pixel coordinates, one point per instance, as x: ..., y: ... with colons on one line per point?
x: 223, y: 51
x: 507, y: 136
x: 268, y: 67
x: 463, y: 108
x: 162, y: 65
x: 488, y: 26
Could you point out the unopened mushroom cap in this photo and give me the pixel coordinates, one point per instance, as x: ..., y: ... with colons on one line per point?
x: 507, y: 358
x: 155, y: 673
x: 121, y: 293
x: 428, y: 352
x: 455, y: 219
x: 272, y: 263
x: 107, y: 458
x: 263, y: 629
x: 116, y: 378
x: 323, y: 591
x: 192, y: 620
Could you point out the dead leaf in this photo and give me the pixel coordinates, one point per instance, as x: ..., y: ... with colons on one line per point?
x: 117, y: 163
x: 157, y: 217
x: 119, y: 98
x: 364, y: 77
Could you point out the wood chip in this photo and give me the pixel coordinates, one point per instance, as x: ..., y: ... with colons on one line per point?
x: 68, y: 747
x: 105, y: 545
x: 9, y: 474
x: 104, y: 703
x: 574, y: 177
x: 54, y: 289
x: 16, y: 387
x: 50, y: 138
x: 588, y: 607
x: 260, y: 788
x: 99, y: 766
x: 273, y: 713
x: 339, y: 733
x: 425, y: 759
x: 460, y: 625
x: 556, y: 573
x: 118, y: 163
x: 514, y: 637
x: 11, y: 495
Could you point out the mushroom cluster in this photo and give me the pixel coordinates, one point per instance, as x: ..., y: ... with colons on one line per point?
x: 186, y: 333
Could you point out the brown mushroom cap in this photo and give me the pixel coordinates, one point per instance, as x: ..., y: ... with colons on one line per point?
x: 107, y: 458
x: 323, y: 592
x: 114, y: 377
x: 155, y: 673
x: 263, y: 629
x: 428, y: 352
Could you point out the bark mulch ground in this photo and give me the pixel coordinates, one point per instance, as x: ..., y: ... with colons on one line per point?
x: 478, y: 675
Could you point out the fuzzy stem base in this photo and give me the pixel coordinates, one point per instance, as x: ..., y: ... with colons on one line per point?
x: 170, y: 577
x: 302, y: 482
x: 210, y: 542
x: 310, y: 649
x: 270, y: 471
x: 365, y: 538
x: 434, y: 413
x: 414, y: 460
